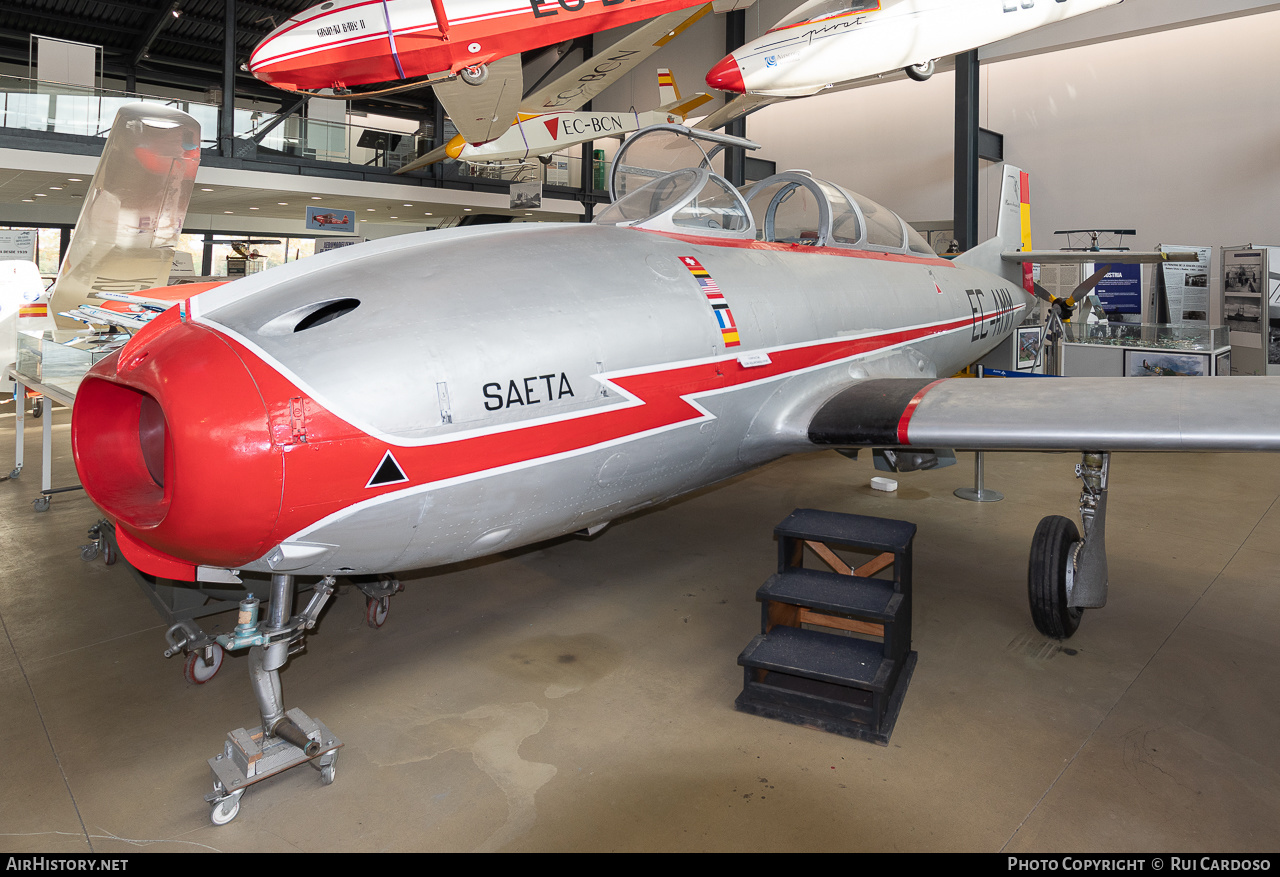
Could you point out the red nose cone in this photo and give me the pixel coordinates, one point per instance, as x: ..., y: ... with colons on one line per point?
x: 171, y: 438
x: 726, y: 76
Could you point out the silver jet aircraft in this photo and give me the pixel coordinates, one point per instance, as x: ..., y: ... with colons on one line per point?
x: 551, y: 378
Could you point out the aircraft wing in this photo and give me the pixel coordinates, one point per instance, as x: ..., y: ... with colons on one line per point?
x: 1110, y: 257
x: 1055, y: 414
x: 435, y: 155
x: 584, y: 82
x: 741, y: 105
x: 483, y: 112
x: 162, y: 298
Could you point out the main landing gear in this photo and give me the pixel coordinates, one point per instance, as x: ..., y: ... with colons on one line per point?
x: 921, y: 72
x: 477, y: 75
x: 1067, y: 573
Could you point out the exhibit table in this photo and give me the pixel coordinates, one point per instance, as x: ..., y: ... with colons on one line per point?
x: 53, y: 369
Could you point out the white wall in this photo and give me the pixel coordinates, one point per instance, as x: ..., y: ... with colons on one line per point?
x: 1176, y: 134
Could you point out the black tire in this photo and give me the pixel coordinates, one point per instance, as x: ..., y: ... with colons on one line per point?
x: 1051, y: 550
x: 921, y: 72
x: 474, y: 75
x: 37, y: 408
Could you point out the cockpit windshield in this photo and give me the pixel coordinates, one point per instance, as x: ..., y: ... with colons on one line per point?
x: 691, y: 200
x: 650, y: 199
x: 815, y: 10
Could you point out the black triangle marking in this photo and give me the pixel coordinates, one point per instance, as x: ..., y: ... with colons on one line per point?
x: 389, y: 472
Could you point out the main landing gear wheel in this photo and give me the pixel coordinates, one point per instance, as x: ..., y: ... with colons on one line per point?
x: 921, y: 72
x: 1052, y: 548
x: 37, y: 407
x: 474, y: 75
x: 376, y: 609
x: 199, y: 671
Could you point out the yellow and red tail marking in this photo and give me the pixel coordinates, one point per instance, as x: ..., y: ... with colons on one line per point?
x: 1024, y: 187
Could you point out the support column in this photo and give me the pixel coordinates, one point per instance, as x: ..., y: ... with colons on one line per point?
x: 735, y: 158
x: 226, y: 119
x: 966, y: 150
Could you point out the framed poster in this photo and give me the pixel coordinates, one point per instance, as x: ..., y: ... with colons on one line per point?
x: 1222, y: 364
x: 1159, y: 364
x: 330, y: 219
x: 1186, y: 286
x: 1242, y: 287
x: 1120, y: 291
x: 1028, y: 347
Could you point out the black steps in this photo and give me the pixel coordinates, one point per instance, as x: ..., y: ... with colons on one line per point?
x: 834, y: 652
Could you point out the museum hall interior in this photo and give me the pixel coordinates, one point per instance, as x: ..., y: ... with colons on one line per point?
x: 661, y: 426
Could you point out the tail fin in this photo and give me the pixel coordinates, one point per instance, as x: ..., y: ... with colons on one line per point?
x: 133, y: 214
x: 669, y: 97
x: 1013, y: 231
x: 668, y: 91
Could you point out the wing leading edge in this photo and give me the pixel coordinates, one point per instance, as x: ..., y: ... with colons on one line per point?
x: 1055, y: 414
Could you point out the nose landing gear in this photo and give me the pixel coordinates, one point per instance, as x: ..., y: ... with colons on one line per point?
x: 285, y: 739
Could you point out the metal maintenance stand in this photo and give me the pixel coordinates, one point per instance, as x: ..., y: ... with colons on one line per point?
x: 64, y: 395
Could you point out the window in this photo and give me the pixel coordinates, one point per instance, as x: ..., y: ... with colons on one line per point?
x: 845, y: 227
x: 884, y: 228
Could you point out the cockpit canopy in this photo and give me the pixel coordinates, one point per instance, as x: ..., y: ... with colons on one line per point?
x: 789, y: 208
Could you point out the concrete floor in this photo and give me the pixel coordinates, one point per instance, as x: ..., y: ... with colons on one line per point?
x: 578, y: 695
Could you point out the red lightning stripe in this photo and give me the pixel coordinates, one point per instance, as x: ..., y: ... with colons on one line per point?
x: 320, y: 474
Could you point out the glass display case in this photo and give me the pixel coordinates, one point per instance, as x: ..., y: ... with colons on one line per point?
x: 1144, y: 350
x: 61, y: 362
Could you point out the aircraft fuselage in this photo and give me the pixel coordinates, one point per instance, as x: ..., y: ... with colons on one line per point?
x: 806, y: 57
x: 481, y: 389
x: 356, y: 42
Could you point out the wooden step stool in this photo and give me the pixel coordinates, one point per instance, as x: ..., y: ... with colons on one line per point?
x: 834, y: 650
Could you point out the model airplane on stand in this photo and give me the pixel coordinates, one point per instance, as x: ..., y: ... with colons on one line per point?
x: 826, y: 44
x: 469, y: 50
